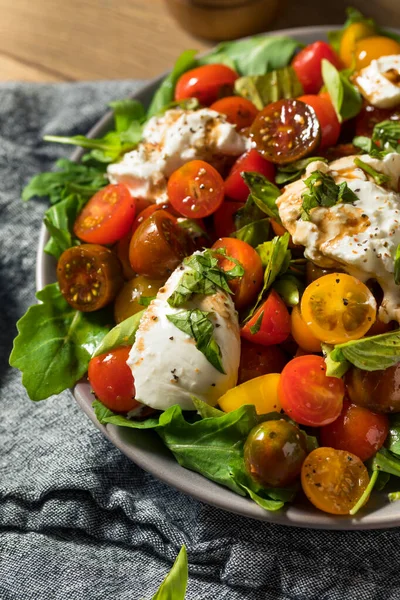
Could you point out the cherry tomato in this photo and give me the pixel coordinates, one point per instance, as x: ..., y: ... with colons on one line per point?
x: 314, y: 272
x: 333, y: 480
x: 245, y: 288
x: 262, y: 392
x: 307, y: 395
x: 224, y: 223
x: 238, y: 111
x: 274, y: 452
x: 89, y: 276
x: 302, y: 333
x: 196, y: 190
x: 370, y: 115
x: 286, y: 130
x: 327, y: 117
x: 127, y: 302
x: 256, y: 360
x: 350, y: 36
x: 107, y: 217
x: 206, y: 83
x: 149, y: 210
x: 122, y: 250
x: 235, y: 186
x: 279, y: 230
x: 307, y: 65
x: 270, y: 324
x: 377, y: 390
x: 357, y: 430
x: 371, y: 48
x: 158, y: 246
x: 141, y: 204
x: 338, y: 308
x: 380, y: 327
x: 112, y: 380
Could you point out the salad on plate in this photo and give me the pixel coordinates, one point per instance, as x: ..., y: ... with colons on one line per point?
x: 228, y: 268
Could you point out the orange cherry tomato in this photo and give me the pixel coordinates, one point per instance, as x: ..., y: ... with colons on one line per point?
x: 196, y: 189
x: 256, y: 360
x: 333, y: 480
x: 245, y: 288
x: 235, y: 186
x: 350, y: 36
x: 357, y: 430
x: 107, y: 217
x: 206, y: 83
x: 327, y: 117
x: 371, y: 48
x: 238, y: 111
x: 302, y: 333
x: 307, y: 395
x: 270, y: 323
x: 112, y: 380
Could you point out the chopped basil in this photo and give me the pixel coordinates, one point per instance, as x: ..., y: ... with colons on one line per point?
x: 385, y: 139
x: 397, y: 266
x: 257, y: 325
x: 293, y: 171
x: 323, y: 191
x: 379, y: 178
x: 346, y: 99
x: 145, y: 300
x: 263, y: 193
x: 370, y: 353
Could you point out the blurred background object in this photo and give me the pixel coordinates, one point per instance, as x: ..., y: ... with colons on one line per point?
x: 71, y: 40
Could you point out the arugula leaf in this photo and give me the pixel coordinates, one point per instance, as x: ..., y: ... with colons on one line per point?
x: 371, y: 353
x: 104, y: 415
x: 346, y: 99
x: 386, y: 461
x: 393, y: 439
x: 254, y: 233
x: 271, y: 499
x: 379, y: 178
x: 126, y: 112
x: 174, y: 585
x: 197, y: 325
x: 293, y: 171
x: 365, y: 495
x: 263, y: 193
x: 264, y: 89
x: 323, y: 191
x: 55, y: 343
x: 122, y: 334
x: 59, y: 220
x: 334, y: 368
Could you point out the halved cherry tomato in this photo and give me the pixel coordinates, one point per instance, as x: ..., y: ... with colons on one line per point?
x: 238, y: 111
x: 286, y: 130
x: 107, y: 217
x: 235, y: 186
x: 196, y: 189
x: 158, y: 246
x: 302, y: 333
x: 224, y: 223
x: 261, y: 391
x: 333, y: 480
x: 307, y: 395
x: 257, y: 360
x: 122, y: 250
x: 112, y: 380
x: 327, y: 117
x: 378, y: 391
x: 357, y: 430
x: 338, y: 308
x: 307, y: 64
x: 370, y: 115
x: 89, y: 276
x: 206, y: 83
x: 270, y: 324
x: 127, y: 302
x: 371, y: 48
x: 246, y: 287
x: 350, y: 36
x: 279, y: 229
x: 149, y: 210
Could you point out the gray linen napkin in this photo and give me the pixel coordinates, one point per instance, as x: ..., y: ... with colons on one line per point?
x: 78, y: 520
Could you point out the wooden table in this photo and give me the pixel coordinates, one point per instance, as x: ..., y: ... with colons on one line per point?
x: 72, y: 40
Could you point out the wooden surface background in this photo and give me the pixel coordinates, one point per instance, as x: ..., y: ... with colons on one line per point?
x: 72, y: 40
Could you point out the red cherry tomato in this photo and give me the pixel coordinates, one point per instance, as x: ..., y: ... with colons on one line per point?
x: 112, y: 380
x: 370, y: 115
x: 270, y: 324
x: 239, y: 111
x: 257, y: 360
x: 307, y: 65
x: 235, y: 187
x: 307, y: 395
x: 224, y: 223
x: 206, y: 83
x: 196, y: 189
x: 326, y: 115
x: 357, y: 430
x: 107, y: 217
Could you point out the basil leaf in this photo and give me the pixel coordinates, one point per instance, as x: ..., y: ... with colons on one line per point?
x: 334, y: 368
x: 387, y: 133
x: 59, y: 220
x: 345, y: 97
x: 295, y: 170
x: 386, y: 461
x: 55, y: 343
x: 257, y: 325
x: 254, y: 233
x: 122, y: 334
x: 379, y: 178
x: 365, y: 144
x: 104, y: 415
x: 264, y: 89
x: 174, y: 585
x: 393, y: 439
x: 371, y: 353
x: 394, y: 496
x: 126, y: 112
x: 323, y: 191
x: 197, y: 325
x: 248, y: 214
x: 397, y: 266
x: 263, y: 193
x: 289, y: 288
x: 146, y: 300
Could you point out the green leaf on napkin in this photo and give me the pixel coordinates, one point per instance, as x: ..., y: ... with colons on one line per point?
x: 174, y: 585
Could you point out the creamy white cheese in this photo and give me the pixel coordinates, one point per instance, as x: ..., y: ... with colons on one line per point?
x: 170, y: 141
x: 360, y: 238
x: 379, y: 83
x: 166, y: 365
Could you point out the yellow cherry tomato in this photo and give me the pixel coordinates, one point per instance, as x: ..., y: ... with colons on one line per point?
x: 302, y: 333
x: 351, y: 35
x: 261, y: 391
x: 338, y: 308
x: 371, y: 48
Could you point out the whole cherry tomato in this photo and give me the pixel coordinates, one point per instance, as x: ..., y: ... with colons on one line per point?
x: 350, y: 36
x: 223, y: 217
x: 377, y: 390
x: 149, y: 210
x: 196, y: 189
x: 371, y: 48
x: 256, y: 360
x: 206, y: 83
x: 307, y: 65
x: 238, y: 111
x: 127, y: 303
x: 302, y: 334
x: 235, y: 186
x: 270, y: 323
x: 327, y: 117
